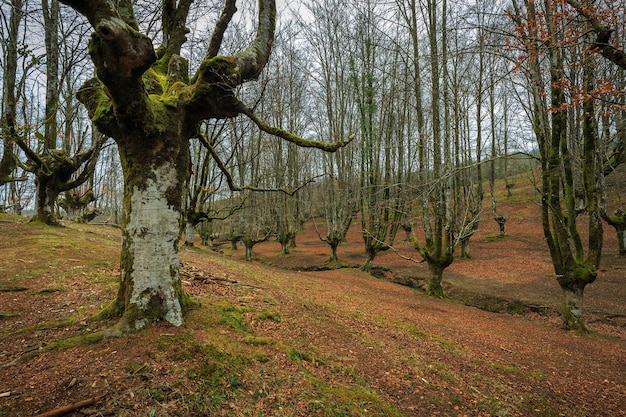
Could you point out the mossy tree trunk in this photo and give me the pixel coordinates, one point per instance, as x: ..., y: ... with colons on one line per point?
x: 437, y: 211
x: 8, y: 122
x: 145, y: 100
x: 573, y: 267
x: 150, y: 286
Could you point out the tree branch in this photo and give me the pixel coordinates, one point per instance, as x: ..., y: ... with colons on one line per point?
x: 603, y: 34
x: 229, y: 177
x: 174, y: 21
x: 290, y: 137
x: 220, y: 27
x: 248, y: 64
x: 90, y: 155
x: 120, y: 53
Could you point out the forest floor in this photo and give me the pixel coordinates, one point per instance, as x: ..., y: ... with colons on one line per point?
x: 290, y: 335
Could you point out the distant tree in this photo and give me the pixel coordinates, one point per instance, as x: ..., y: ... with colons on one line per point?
x: 56, y: 170
x: 336, y: 197
x: 205, y: 182
x: 377, y: 95
x: 434, y: 148
x: 11, y: 49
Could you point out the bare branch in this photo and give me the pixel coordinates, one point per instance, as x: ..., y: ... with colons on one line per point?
x: 248, y: 64
x: 290, y: 137
x: 220, y: 27
x: 393, y: 249
x: 174, y: 21
x: 229, y: 178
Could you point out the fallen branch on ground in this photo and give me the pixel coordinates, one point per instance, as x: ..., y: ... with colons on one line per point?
x: 71, y: 407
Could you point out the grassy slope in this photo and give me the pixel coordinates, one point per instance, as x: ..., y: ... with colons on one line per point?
x: 270, y: 342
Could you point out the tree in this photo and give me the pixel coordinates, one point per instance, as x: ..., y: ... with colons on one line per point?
x: 434, y: 151
x: 204, y: 183
x: 376, y: 91
x: 8, y: 122
x: 146, y: 100
x: 564, y: 179
x: 55, y: 169
x: 337, y: 197
x: 594, y: 14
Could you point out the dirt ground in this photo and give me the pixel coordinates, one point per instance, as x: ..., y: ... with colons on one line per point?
x: 280, y: 337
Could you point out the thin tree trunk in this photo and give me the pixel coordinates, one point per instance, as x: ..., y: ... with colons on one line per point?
x: 333, y: 249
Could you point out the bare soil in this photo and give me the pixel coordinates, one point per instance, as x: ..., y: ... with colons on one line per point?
x: 292, y: 335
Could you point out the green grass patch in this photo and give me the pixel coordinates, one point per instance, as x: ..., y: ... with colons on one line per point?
x: 439, y: 339
x: 510, y: 369
x: 273, y: 315
x: 49, y: 325
x: 342, y: 401
x: 258, y: 340
x: 232, y: 315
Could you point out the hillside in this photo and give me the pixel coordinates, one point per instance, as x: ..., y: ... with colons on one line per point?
x: 271, y: 341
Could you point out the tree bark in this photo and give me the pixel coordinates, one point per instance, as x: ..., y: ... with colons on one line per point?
x: 435, y: 287
x: 8, y: 123
x: 150, y: 285
x: 190, y: 232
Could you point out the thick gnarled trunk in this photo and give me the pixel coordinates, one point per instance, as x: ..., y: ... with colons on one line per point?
x: 150, y: 288
x: 45, y: 199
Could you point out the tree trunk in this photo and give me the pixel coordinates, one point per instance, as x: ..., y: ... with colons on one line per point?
x: 190, y: 231
x: 333, y: 252
x: 45, y: 198
x: 150, y: 288
x: 465, y: 247
x: 618, y: 221
x: 371, y: 251
x: 248, y: 252
x: 284, y: 238
x: 621, y: 240
x: 435, y: 288
x: 333, y: 243
x: 572, y: 307
x: 501, y: 220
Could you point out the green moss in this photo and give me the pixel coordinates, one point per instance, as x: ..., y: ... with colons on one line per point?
x: 52, y: 324
x: 510, y: 369
x: 273, y: 315
x: 72, y: 341
x: 333, y: 400
x: 232, y: 315
x: 154, y: 82
x: 258, y: 340
x: 214, y: 69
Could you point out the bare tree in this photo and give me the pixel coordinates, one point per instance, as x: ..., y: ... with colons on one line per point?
x: 8, y: 121
x: 575, y: 264
x: 337, y: 199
